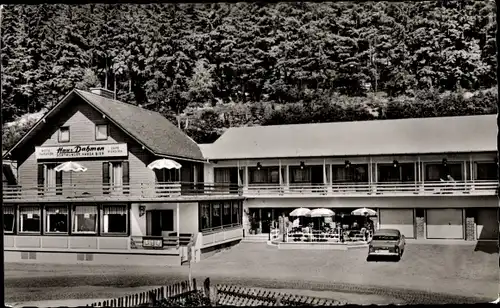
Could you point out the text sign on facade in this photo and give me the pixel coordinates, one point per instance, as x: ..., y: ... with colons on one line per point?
x: 84, y: 150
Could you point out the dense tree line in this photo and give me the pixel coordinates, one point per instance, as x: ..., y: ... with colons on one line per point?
x: 209, y: 66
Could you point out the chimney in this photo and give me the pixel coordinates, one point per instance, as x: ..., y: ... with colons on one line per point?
x: 103, y: 92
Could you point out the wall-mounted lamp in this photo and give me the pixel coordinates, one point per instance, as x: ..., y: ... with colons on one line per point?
x: 395, y: 163
x: 259, y: 166
x: 347, y: 164
x: 142, y: 210
x: 302, y: 165
x: 445, y: 162
x: 496, y: 160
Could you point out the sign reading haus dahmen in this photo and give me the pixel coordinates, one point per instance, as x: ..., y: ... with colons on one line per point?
x: 82, y: 150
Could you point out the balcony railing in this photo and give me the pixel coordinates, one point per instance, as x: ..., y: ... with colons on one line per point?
x: 138, y: 192
x: 370, y: 189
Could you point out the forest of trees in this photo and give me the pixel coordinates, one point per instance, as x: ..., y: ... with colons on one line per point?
x: 211, y: 66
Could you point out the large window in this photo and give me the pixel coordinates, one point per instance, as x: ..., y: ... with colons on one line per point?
x: 486, y: 172
x: 402, y: 172
x: 438, y: 172
x: 353, y: 173
x: 211, y: 212
x: 264, y: 175
x: 298, y: 175
x: 8, y: 219
x: 114, y: 219
x: 56, y: 219
x: 29, y: 219
x: 85, y: 219
x: 222, y: 175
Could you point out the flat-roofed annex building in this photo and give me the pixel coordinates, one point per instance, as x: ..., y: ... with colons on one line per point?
x: 118, y: 210
x: 431, y: 178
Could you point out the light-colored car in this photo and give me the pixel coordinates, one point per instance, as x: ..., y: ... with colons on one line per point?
x: 387, y: 242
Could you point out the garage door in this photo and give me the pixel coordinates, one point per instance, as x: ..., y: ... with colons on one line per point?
x: 401, y: 219
x: 487, y: 225
x: 445, y: 224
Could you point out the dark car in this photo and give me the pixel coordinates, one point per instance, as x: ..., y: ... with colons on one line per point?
x: 387, y: 242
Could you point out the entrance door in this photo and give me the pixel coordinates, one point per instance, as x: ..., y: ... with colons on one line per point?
x: 160, y: 221
x: 487, y: 224
x: 266, y: 220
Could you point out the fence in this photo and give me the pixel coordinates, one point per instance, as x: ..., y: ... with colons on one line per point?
x: 219, y: 295
x: 149, y: 298
x: 240, y: 296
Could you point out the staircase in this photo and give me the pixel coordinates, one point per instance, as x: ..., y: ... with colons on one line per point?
x: 255, y: 238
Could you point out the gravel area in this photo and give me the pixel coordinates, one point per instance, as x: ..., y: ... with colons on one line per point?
x: 426, y: 274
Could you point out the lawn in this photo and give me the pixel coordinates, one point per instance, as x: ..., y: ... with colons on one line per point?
x: 426, y: 274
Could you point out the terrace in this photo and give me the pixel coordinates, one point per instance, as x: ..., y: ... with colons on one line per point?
x: 171, y: 192
x: 477, y: 188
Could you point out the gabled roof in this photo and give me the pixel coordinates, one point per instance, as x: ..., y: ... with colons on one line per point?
x: 359, y: 138
x: 148, y: 128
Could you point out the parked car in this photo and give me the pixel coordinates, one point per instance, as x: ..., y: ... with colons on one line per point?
x: 387, y: 242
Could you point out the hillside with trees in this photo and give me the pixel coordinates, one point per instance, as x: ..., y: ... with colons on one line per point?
x: 211, y: 66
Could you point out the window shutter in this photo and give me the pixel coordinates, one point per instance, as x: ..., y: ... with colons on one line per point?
x: 105, y: 177
x: 126, y: 178
x: 59, y: 181
x: 41, y: 178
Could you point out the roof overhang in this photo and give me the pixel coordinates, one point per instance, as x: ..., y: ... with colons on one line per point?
x: 352, y: 155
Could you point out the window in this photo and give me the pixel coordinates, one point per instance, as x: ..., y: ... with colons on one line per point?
x: 266, y: 175
x: 236, y: 213
x: 300, y: 175
x: 437, y: 172
x: 85, y: 219
x: 205, y: 215
x: 222, y: 175
x: 355, y: 173
x: 403, y: 172
x: 56, y: 219
x: 115, y: 176
x: 216, y: 219
x: 64, y: 134
x: 210, y: 214
x: 29, y: 219
x: 101, y: 132
x: 115, y: 219
x: 8, y: 219
x: 486, y: 171
x: 226, y: 215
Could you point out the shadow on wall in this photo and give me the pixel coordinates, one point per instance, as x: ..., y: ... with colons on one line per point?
x: 487, y: 246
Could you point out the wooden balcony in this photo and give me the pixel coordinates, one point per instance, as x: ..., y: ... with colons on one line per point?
x: 478, y: 188
x: 168, y: 192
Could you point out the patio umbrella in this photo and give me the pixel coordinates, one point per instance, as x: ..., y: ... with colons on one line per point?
x: 301, y: 211
x: 70, y: 166
x: 164, y: 163
x: 321, y: 213
x: 364, y: 212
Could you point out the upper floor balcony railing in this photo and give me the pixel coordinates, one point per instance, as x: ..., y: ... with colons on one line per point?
x: 103, y: 192
x: 484, y: 188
